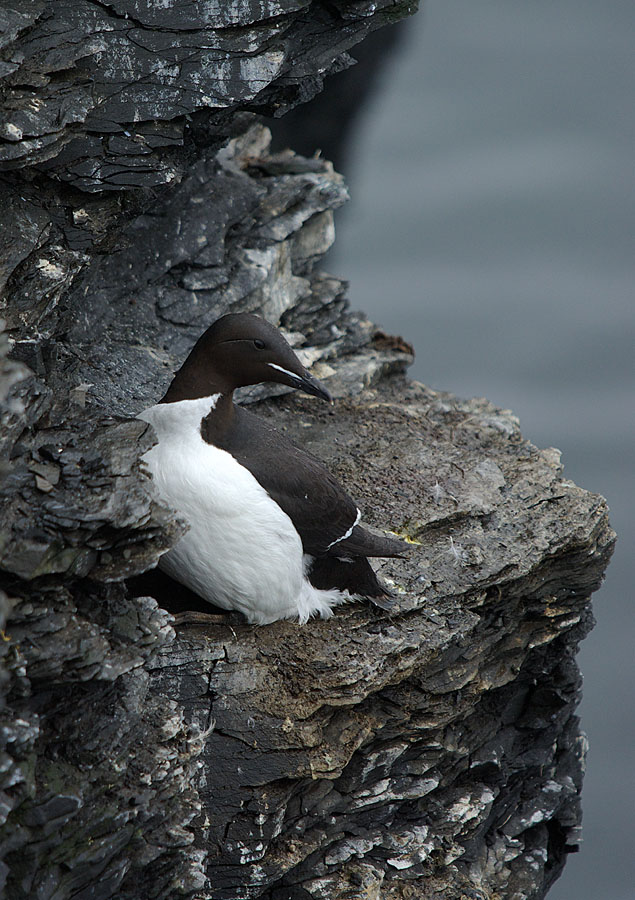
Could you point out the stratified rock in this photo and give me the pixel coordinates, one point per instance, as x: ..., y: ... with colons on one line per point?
x: 104, y: 95
x: 433, y: 752
x: 436, y: 745
x: 242, y: 231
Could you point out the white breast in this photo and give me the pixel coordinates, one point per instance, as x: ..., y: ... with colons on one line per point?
x: 241, y: 551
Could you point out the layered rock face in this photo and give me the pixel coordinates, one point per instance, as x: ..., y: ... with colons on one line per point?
x: 432, y: 752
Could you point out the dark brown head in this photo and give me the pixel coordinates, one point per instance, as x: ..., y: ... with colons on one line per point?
x: 237, y: 350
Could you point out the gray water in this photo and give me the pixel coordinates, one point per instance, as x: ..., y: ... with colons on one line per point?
x: 492, y: 225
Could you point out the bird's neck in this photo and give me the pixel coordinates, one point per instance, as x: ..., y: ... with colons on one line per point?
x: 190, y: 384
x: 217, y: 425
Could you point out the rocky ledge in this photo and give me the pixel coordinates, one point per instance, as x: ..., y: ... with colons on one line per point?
x: 432, y: 752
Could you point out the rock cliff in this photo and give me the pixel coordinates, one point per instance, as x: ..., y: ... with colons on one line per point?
x: 432, y: 752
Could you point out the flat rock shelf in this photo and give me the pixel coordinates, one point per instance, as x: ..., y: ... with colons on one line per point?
x: 432, y: 751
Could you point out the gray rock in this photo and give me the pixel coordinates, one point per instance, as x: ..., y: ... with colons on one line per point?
x: 436, y: 743
x: 432, y: 751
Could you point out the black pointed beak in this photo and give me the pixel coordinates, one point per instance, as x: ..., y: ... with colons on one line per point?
x: 311, y: 385
x: 305, y: 382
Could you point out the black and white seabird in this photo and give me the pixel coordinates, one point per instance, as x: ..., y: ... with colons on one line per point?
x: 271, y: 532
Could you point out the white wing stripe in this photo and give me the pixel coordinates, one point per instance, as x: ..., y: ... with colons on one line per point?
x: 348, y: 533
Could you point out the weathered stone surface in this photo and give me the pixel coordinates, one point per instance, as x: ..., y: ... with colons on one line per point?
x: 96, y: 770
x: 101, y: 94
x: 434, y: 752
x: 87, y: 754
x: 438, y: 742
x: 242, y: 231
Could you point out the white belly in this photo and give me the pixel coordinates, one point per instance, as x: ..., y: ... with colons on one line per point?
x: 241, y: 551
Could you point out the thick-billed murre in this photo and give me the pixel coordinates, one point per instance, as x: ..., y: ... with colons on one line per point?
x: 271, y: 532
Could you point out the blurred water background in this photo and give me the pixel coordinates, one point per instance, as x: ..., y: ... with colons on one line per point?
x: 491, y: 224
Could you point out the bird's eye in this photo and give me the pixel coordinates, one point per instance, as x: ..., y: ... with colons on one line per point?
x: 259, y: 345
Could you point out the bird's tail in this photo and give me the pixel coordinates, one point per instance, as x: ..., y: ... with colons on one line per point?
x: 354, y: 575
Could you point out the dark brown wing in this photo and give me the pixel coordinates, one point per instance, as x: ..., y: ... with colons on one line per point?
x: 317, y: 504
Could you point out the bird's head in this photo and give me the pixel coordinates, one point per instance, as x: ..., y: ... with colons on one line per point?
x: 237, y: 350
